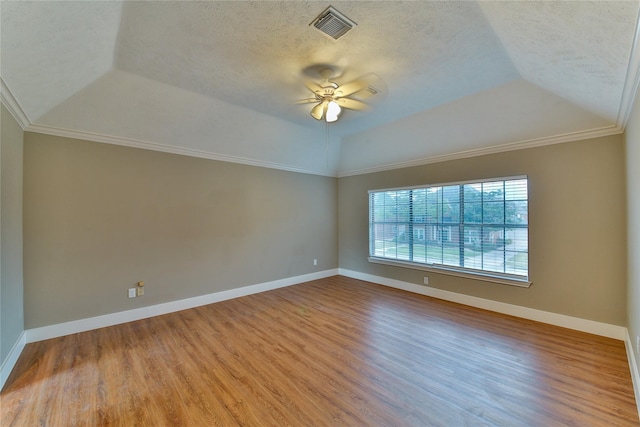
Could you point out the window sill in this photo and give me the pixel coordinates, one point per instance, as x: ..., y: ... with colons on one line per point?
x: 487, y: 277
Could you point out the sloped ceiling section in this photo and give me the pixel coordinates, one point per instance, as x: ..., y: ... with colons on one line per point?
x: 516, y: 114
x: 50, y: 50
x: 220, y: 79
x: 579, y: 53
x: 149, y: 114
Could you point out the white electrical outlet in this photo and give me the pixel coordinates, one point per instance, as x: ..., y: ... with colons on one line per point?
x: 315, y: 262
x: 638, y: 344
x: 426, y: 280
x: 132, y: 292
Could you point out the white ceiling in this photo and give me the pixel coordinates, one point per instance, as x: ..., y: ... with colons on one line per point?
x: 220, y: 79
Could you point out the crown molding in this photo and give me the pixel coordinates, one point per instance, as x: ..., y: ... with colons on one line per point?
x: 631, y: 81
x: 146, y: 145
x: 12, y: 104
x: 512, y: 146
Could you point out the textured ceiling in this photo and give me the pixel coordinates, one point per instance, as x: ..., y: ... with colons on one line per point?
x: 220, y: 79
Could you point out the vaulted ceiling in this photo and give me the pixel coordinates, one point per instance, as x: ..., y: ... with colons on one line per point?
x: 220, y: 79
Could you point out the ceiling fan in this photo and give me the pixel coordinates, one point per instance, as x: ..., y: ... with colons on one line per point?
x: 330, y: 98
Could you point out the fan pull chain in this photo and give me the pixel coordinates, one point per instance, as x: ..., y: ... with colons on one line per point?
x: 327, y: 147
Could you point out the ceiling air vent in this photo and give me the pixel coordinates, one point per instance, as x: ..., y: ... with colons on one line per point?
x: 333, y: 23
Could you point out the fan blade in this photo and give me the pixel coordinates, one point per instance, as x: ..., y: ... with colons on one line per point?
x: 350, y: 88
x: 307, y: 101
x: 318, y: 111
x: 313, y: 86
x: 376, y: 89
x: 352, y: 104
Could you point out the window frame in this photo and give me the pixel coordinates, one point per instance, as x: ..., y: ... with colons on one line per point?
x: 442, y: 268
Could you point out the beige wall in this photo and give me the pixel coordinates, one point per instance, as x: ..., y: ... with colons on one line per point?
x: 11, y: 284
x: 577, y: 226
x: 98, y: 218
x: 632, y: 144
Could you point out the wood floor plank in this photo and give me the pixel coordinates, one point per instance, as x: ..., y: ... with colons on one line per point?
x: 332, y: 352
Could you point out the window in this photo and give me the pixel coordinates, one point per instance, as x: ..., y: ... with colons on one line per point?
x: 478, y: 228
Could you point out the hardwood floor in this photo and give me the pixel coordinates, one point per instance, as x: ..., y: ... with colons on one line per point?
x: 332, y: 352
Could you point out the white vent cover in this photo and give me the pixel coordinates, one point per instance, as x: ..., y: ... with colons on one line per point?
x: 333, y: 23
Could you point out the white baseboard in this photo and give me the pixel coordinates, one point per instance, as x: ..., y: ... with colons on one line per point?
x: 583, y: 325
x: 82, y: 325
x: 12, y: 358
x: 633, y: 367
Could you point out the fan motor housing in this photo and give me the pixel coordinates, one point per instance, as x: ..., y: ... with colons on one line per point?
x: 327, y: 91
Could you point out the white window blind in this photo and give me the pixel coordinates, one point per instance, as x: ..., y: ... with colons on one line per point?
x: 472, y: 227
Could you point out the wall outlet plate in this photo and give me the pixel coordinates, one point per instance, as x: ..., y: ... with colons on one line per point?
x: 132, y: 292
x: 426, y: 280
x: 140, y: 291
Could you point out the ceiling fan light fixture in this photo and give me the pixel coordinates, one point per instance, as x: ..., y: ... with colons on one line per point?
x: 331, y: 98
x: 333, y: 112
